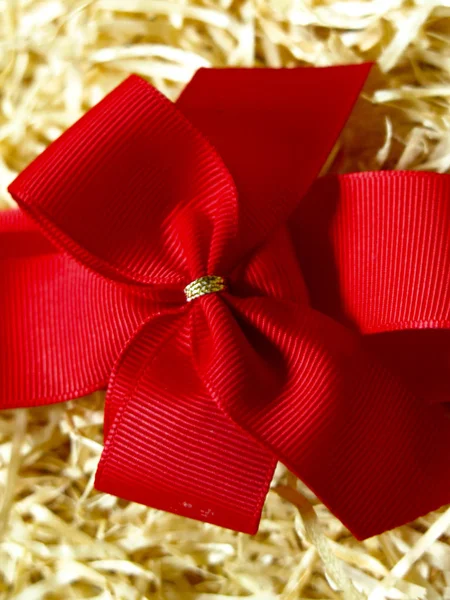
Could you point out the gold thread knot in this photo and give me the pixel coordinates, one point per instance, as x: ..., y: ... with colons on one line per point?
x: 209, y: 284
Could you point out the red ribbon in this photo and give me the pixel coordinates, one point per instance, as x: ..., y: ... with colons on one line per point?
x: 329, y: 348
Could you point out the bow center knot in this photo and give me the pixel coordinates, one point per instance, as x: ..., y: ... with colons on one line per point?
x: 208, y: 284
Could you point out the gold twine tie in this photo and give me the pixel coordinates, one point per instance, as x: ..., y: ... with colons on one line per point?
x: 209, y: 284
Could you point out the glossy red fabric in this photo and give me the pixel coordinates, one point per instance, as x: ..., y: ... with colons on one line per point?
x: 329, y: 349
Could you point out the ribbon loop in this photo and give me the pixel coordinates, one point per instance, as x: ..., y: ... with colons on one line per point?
x: 134, y: 192
x: 62, y: 329
x: 374, y: 249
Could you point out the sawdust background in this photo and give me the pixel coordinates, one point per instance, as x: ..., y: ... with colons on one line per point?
x: 59, y: 539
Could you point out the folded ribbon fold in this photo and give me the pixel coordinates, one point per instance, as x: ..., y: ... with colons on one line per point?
x: 227, y: 310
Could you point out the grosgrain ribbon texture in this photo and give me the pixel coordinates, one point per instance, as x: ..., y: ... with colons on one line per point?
x: 328, y: 349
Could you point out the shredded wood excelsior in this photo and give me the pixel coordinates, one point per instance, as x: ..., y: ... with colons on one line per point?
x: 59, y: 538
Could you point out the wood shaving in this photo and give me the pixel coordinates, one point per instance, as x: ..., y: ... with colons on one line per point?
x: 59, y: 538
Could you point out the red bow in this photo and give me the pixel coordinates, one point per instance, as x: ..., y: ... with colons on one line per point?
x: 320, y: 338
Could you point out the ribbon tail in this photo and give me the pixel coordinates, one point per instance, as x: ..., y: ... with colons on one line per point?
x: 374, y: 453
x: 169, y: 446
x: 59, y: 333
x: 274, y: 129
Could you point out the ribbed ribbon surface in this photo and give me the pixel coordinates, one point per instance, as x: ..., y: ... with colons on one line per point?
x: 328, y: 349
